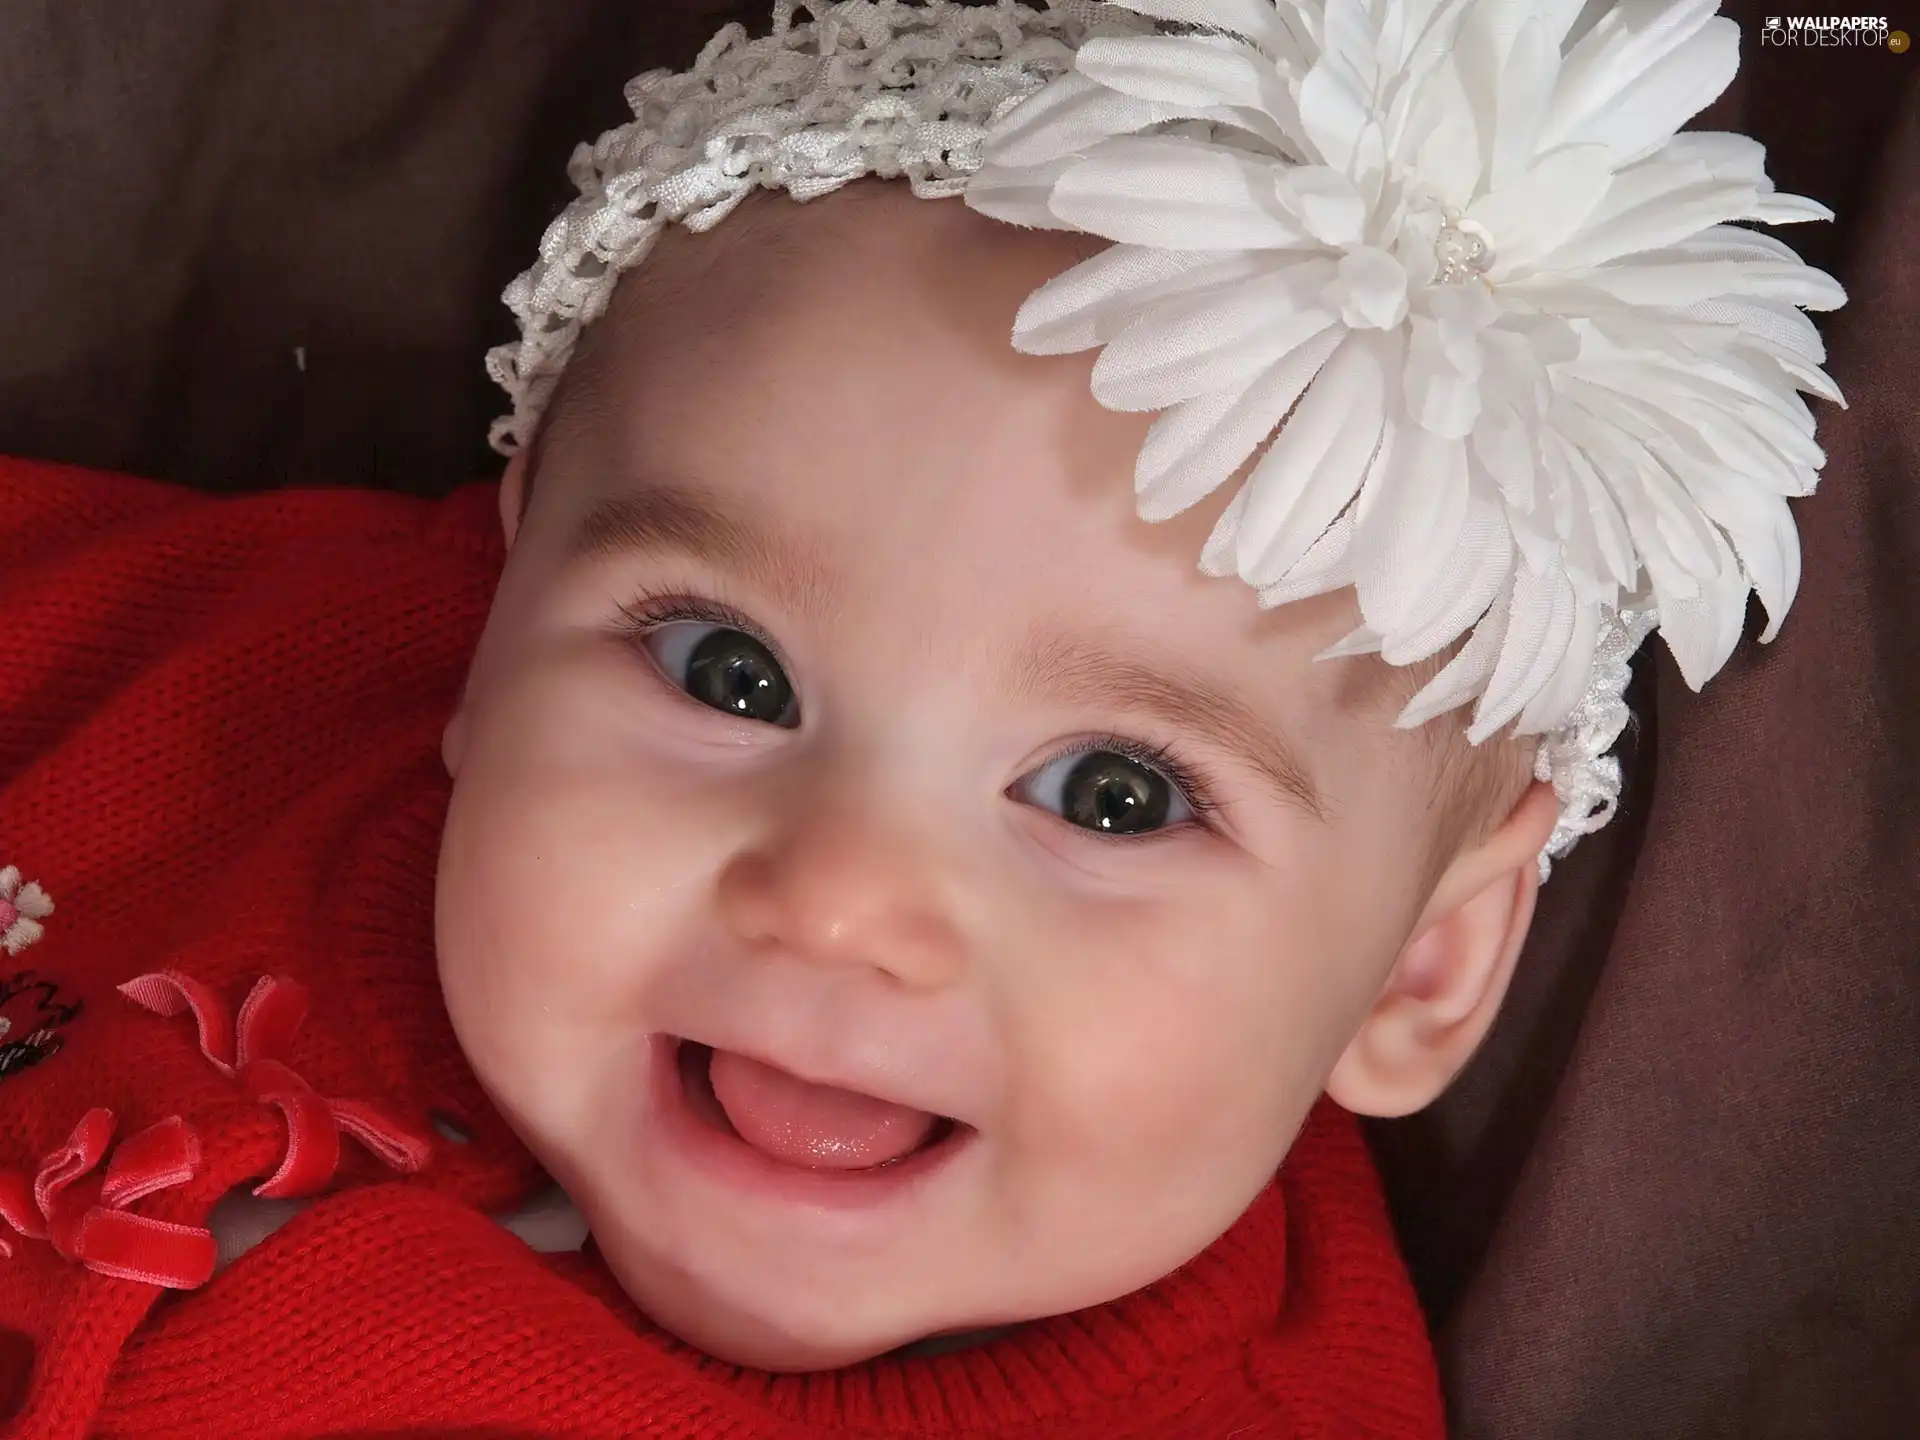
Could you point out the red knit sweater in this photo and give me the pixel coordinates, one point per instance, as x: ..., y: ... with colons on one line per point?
x: 219, y: 725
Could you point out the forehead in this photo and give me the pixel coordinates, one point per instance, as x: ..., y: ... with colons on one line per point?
x: 842, y: 372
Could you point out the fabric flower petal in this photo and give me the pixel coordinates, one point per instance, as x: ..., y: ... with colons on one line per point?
x: 1176, y: 193
x: 1199, y: 72
x: 1258, y: 21
x: 1197, y: 445
x: 1409, y: 517
x: 1313, y: 469
x: 1207, y: 341
x: 1098, y: 298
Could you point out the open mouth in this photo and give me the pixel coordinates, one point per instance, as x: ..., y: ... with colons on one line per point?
x: 797, y: 1123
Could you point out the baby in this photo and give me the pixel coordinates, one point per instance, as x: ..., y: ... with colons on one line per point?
x: 907, y: 907
x: 920, y: 818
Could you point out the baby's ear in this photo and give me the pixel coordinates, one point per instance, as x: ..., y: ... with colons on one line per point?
x: 1451, y: 978
x: 513, y: 495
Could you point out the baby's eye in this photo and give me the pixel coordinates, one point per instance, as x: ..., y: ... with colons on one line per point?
x: 725, y: 668
x: 1107, y: 791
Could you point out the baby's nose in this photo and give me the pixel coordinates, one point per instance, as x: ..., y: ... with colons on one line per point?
x: 838, y: 891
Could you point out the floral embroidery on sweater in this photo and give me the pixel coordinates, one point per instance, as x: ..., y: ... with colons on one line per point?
x: 22, y: 908
x: 32, y: 1013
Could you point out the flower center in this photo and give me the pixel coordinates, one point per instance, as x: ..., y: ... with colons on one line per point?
x: 1463, y: 251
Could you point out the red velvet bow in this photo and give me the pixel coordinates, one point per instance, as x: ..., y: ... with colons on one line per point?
x: 84, y: 1214
x: 251, y: 1050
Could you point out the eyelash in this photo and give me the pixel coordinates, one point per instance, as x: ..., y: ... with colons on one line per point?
x: 649, y: 610
x: 1200, y: 799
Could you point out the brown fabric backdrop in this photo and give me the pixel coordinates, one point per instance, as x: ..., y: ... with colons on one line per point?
x: 1679, y: 1193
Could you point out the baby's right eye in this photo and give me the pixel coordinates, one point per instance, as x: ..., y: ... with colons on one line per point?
x: 725, y: 668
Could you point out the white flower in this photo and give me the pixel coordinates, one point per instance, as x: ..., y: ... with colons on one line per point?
x: 22, y: 907
x: 1530, y: 375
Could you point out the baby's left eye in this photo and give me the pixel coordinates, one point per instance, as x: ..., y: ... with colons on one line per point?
x: 1107, y: 792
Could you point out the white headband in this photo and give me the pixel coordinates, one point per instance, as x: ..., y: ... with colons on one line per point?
x: 1537, y: 391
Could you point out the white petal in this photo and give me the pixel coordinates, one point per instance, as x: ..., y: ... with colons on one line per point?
x: 1649, y: 207
x: 1018, y: 195
x: 1200, y: 71
x: 1064, y: 119
x: 1091, y: 303
x: 1539, y: 627
x: 1255, y: 19
x: 1663, y: 97
x: 1357, y: 641
x: 1813, y: 380
x: 1178, y: 193
x: 1563, y: 689
x: 1325, y: 203
x: 1533, y: 536
x: 1504, y: 444
x: 1736, y: 242
x: 1783, y: 328
x: 1466, y: 673
x: 1369, y: 289
x: 1480, y: 566
x: 1447, y: 143
x: 1611, y: 535
x: 1553, y: 199
x: 1703, y: 630
x: 1151, y: 377
x: 1728, y: 156
x: 1442, y: 376
x: 1333, y: 112
x: 1732, y: 444
x: 1347, y: 43
x: 1567, y: 21
x: 1764, y: 537
x: 1196, y: 446
x: 1665, y: 523
x: 1203, y: 343
x: 1217, y: 555
x: 1650, y: 280
x: 1718, y: 392
x: 1680, y: 47
x: 1325, y: 568
x: 1311, y: 472
x: 1779, y: 209
x: 1431, y: 39
x: 1410, y: 515
x: 1759, y: 390
x: 1527, y: 83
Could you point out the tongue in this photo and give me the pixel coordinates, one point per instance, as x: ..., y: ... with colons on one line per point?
x: 818, y: 1126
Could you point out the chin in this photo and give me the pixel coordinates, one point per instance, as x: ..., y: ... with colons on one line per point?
x: 758, y: 1339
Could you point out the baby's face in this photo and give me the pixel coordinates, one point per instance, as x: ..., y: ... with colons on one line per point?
x: 838, y: 721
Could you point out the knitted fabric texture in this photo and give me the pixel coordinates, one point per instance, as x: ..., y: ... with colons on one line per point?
x: 219, y: 726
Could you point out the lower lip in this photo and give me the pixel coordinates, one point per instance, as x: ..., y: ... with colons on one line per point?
x: 736, y: 1164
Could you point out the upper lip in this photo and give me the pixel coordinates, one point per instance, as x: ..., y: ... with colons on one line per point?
x: 870, y: 1083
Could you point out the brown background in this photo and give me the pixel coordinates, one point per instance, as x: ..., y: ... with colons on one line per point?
x: 1679, y: 1194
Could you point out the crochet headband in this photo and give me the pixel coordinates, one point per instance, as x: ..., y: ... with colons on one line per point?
x: 1541, y: 391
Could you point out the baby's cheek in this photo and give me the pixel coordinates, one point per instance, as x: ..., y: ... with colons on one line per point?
x: 1177, y: 1055
x: 561, y: 896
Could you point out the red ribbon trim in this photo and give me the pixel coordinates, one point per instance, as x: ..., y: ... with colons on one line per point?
x: 253, y: 1049
x: 84, y: 1213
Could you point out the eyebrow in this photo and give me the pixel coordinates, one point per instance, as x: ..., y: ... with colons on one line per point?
x: 678, y: 519
x: 1084, y: 673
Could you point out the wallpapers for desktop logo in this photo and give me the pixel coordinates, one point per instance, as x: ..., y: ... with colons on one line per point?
x: 1831, y: 31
